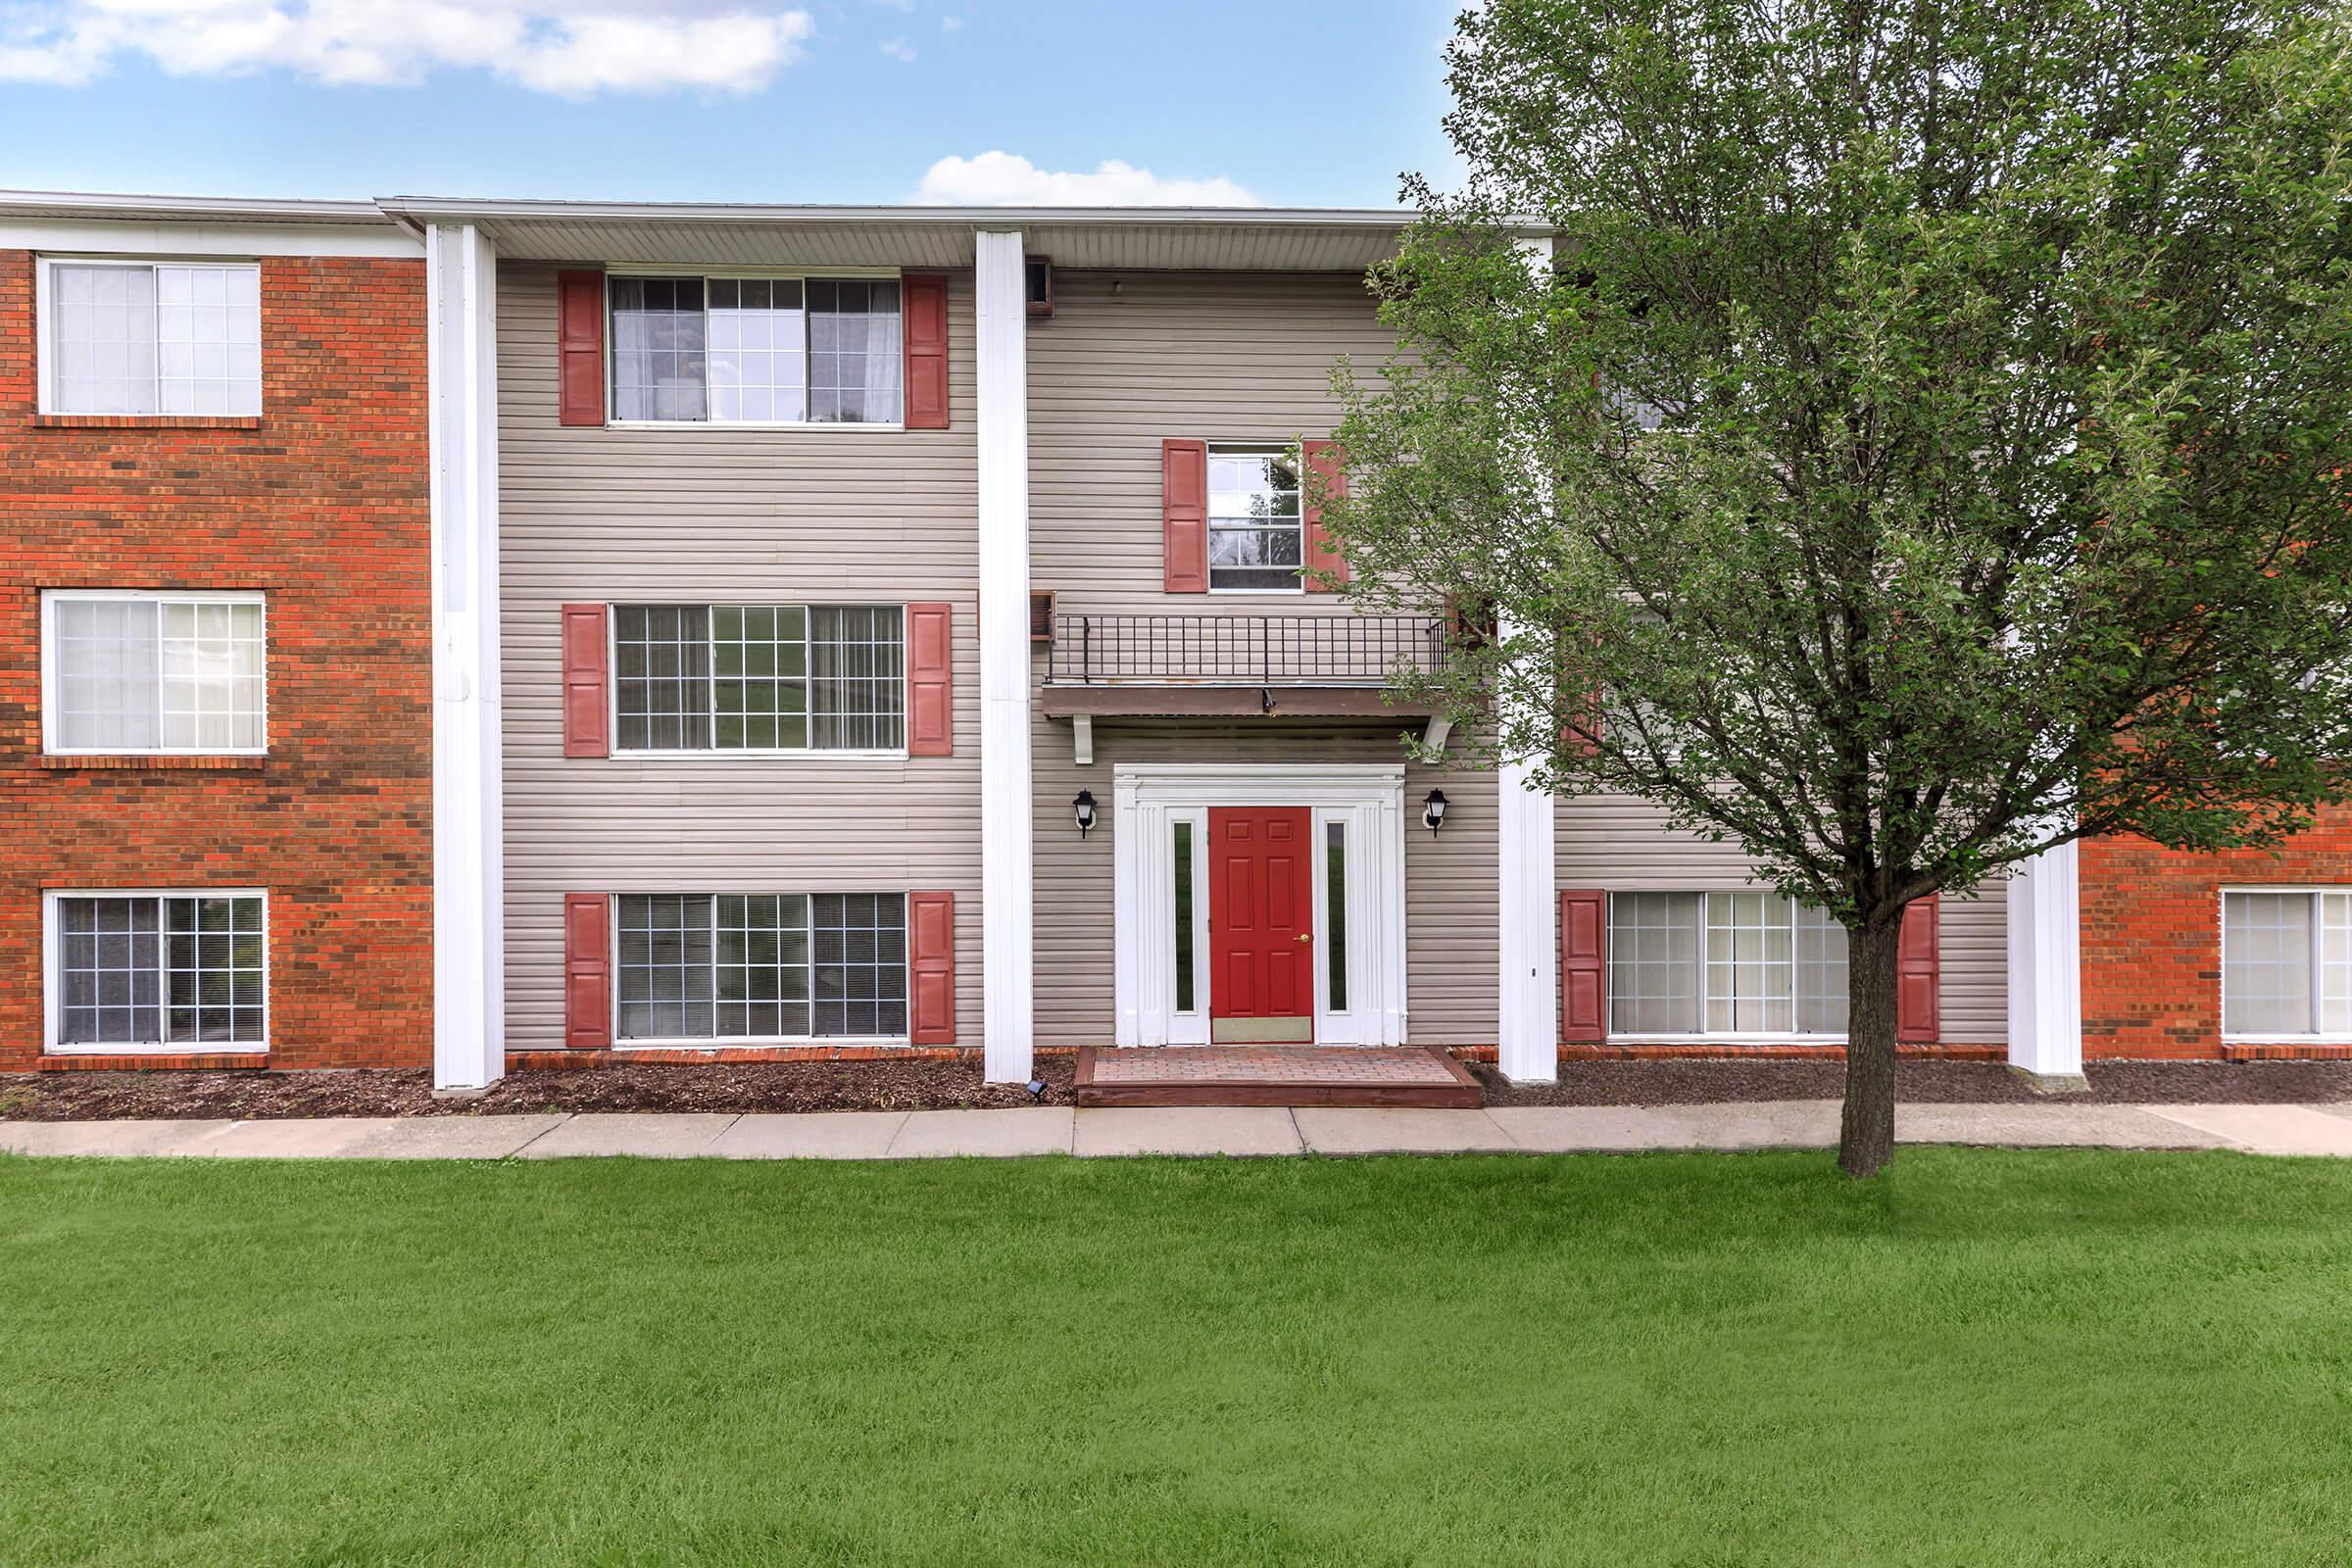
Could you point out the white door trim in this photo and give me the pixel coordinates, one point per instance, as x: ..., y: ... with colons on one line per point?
x: 1148, y: 798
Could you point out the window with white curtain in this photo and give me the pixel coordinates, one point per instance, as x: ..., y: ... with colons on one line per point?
x: 151, y: 337
x: 1724, y: 963
x: 756, y: 350
x: 155, y: 672
x: 758, y: 677
x: 2287, y: 962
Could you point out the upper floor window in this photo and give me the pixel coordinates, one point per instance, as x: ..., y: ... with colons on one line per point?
x: 1724, y: 963
x: 756, y: 350
x: 758, y: 679
x: 1257, y: 539
x: 2287, y: 962
x: 131, y: 672
x: 151, y: 337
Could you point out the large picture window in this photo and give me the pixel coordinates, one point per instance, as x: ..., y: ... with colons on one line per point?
x: 154, y: 672
x: 151, y: 337
x: 2286, y: 963
x: 758, y: 679
x: 150, y: 971
x: 1724, y: 963
x: 756, y: 966
x: 1256, y: 542
x: 756, y: 350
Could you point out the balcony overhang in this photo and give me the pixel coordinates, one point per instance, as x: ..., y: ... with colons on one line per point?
x: 1140, y: 701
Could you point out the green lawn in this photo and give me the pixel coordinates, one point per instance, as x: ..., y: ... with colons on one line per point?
x: 1989, y: 1358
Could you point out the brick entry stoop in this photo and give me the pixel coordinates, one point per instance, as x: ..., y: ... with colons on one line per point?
x: 1275, y: 1075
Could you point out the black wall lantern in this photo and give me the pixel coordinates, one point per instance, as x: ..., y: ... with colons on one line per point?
x: 1083, y: 808
x: 1433, y: 810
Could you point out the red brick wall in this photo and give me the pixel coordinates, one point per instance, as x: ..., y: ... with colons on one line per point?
x: 321, y: 503
x: 2152, y: 936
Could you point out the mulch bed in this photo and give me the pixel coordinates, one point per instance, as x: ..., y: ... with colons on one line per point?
x: 954, y: 1084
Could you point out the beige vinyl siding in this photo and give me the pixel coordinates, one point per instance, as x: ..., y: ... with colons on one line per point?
x: 1450, y: 877
x: 1221, y: 357
x: 718, y: 515
x: 1622, y: 845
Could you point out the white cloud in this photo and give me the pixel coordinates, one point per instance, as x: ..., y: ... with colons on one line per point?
x: 569, y: 47
x: 898, y: 49
x: 951, y: 24
x: 1006, y: 180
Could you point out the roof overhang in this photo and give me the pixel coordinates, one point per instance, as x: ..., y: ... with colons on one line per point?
x: 1133, y: 238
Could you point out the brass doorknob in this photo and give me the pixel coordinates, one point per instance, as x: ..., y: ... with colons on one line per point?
x: 1306, y: 936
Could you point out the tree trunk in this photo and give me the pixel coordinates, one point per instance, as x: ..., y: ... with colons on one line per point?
x: 1866, y: 1135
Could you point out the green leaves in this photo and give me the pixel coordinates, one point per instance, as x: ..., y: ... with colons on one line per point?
x: 1933, y: 433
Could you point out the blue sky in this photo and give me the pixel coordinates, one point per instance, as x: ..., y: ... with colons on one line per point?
x: 743, y: 100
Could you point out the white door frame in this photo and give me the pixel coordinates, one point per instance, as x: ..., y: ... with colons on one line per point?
x: 1150, y: 798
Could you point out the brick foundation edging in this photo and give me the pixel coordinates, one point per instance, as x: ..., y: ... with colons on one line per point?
x: 156, y: 1062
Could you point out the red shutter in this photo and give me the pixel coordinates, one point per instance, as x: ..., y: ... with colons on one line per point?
x: 926, y: 337
x: 587, y: 970
x: 1917, y: 973
x: 580, y: 347
x: 1183, y: 515
x: 585, y: 706
x: 1323, y: 457
x: 930, y: 680
x: 931, y: 969
x: 1584, y: 965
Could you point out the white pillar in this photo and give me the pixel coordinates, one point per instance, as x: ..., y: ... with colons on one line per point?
x: 1527, y: 1022
x: 2045, y: 967
x: 1008, y: 894
x: 468, y: 876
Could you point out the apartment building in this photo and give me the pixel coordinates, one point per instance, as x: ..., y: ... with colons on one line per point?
x: 215, y: 749
x: 855, y: 630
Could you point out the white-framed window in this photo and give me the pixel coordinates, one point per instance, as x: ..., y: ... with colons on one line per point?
x: 761, y: 966
x: 1743, y: 965
x: 764, y: 350
x: 149, y: 337
x: 126, y: 672
x: 2286, y: 963
x: 144, y: 971
x: 1256, y: 533
x: 760, y: 678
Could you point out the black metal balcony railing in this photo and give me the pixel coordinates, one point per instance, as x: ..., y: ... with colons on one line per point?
x: 1242, y: 650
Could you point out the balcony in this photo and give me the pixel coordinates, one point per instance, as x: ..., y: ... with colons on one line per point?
x: 1319, y: 667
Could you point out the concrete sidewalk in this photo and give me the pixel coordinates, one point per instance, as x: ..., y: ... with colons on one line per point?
x: 1059, y: 1130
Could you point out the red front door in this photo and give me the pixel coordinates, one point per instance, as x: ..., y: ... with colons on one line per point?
x: 1261, y: 924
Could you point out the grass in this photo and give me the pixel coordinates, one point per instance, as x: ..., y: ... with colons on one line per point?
x: 1989, y: 1359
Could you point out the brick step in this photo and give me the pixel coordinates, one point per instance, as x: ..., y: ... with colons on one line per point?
x: 1275, y: 1075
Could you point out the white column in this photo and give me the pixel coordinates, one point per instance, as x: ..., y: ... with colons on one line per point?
x: 468, y: 878
x: 2045, y: 967
x: 1527, y: 1022
x: 1008, y: 894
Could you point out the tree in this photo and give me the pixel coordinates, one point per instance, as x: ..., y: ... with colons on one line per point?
x: 1929, y: 445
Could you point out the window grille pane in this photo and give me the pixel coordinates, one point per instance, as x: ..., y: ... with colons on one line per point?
x: 1749, y: 965
x: 760, y: 678
x: 2336, y: 963
x: 666, y: 966
x: 762, y: 965
x: 213, y: 963
x: 662, y: 678
x: 110, y: 974
x: 213, y: 676
x: 102, y: 339
x: 1822, y: 985
x: 208, y: 339
x: 2265, y: 963
x: 657, y: 348
x: 1182, y: 865
x: 853, y: 351
x: 759, y: 350
x: 858, y: 678
x: 860, y: 958
x: 107, y: 675
x: 1255, y: 537
x: 1334, y: 912
x: 1653, y: 963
